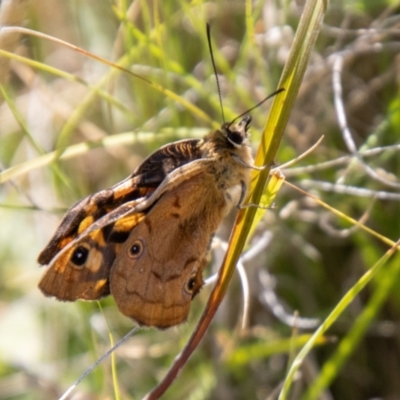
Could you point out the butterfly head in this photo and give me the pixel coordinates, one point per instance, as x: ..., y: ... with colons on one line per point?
x: 236, y: 134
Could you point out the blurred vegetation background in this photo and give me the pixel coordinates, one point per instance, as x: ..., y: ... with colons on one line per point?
x: 302, y: 259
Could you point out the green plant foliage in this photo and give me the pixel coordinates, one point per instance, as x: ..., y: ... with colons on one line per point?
x: 71, y: 124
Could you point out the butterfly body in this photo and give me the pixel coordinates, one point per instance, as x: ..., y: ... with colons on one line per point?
x: 146, y: 239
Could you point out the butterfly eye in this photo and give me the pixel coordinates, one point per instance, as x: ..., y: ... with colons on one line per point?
x: 136, y: 249
x: 80, y: 256
x: 237, y: 133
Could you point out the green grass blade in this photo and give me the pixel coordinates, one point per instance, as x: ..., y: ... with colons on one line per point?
x: 334, y: 315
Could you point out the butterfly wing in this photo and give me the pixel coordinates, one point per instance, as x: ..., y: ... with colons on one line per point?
x: 141, y: 184
x: 81, y: 270
x: 80, y: 266
x: 158, y: 269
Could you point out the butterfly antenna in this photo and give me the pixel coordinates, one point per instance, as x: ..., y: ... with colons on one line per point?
x: 257, y: 105
x: 215, y: 70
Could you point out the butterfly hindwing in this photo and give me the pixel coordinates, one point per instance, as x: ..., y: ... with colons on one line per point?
x: 158, y: 269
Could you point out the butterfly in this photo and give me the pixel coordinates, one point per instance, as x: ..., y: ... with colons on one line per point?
x: 146, y: 239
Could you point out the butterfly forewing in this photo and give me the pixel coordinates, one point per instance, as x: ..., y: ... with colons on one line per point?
x: 140, y: 184
x: 82, y: 271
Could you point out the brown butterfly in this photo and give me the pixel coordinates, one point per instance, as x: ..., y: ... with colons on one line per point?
x: 146, y: 239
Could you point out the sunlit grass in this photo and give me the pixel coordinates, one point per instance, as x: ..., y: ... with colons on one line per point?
x: 71, y: 125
